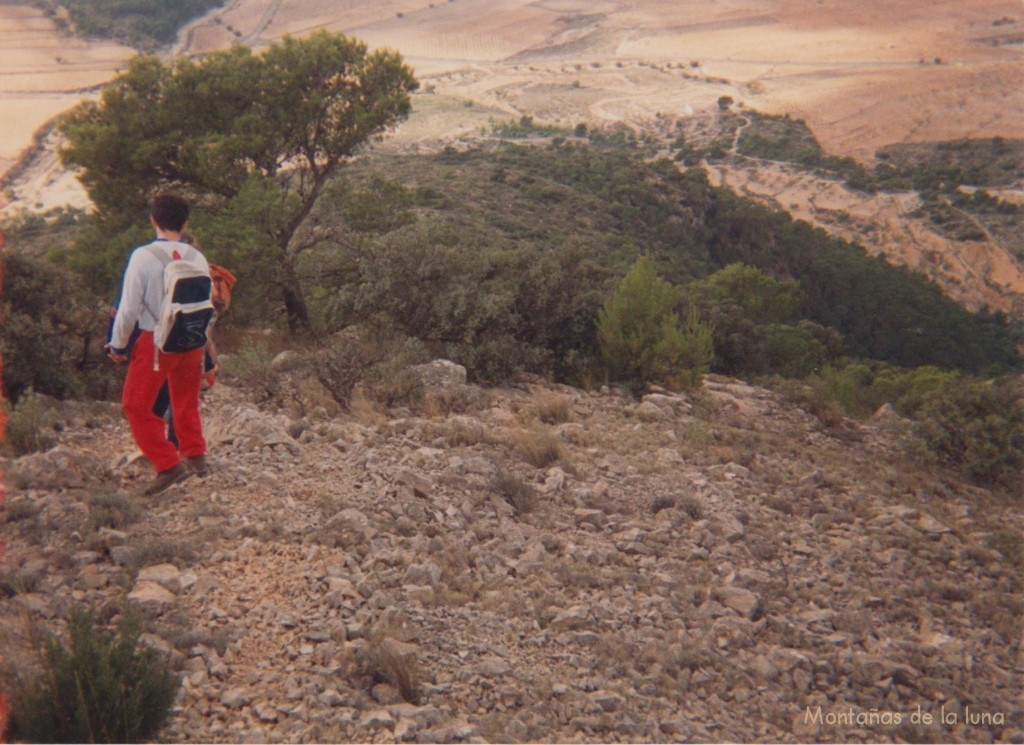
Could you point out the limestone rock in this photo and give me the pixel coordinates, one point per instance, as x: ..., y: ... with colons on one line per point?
x: 647, y: 411
x: 377, y: 719
x: 744, y: 602
x: 285, y: 361
x: 151, y: 596
x: 236, y: 698
x: 167, y: 576
x: 493, y: 667
x: 57, y: 468
x: 441, y: 374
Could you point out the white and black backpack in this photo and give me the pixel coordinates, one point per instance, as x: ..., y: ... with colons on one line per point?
x: 186, y: 309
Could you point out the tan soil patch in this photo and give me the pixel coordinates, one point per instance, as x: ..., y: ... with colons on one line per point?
x: 43, y: 74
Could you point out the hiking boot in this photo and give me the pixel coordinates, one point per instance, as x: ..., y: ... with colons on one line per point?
x: 198, y: 465
x: 166, y: 479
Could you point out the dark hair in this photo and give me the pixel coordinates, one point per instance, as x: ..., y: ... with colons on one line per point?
x: 169, y: 211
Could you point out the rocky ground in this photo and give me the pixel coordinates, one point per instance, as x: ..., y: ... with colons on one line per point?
x: 536, y: 563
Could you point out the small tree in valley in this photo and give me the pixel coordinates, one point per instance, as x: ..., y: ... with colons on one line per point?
x: 641, y: 336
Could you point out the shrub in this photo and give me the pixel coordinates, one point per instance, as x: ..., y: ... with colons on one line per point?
x: 250, y: 367
x: 538, y: 447
x: 112, y: 510
x: 374, y: 356
x: 16, y: 510
x: 48, y: 338
x: 28, y: 428
x: 814, y: 396
x: 1009, y: 543
x: 554, y: 409
x: 515, y: 491
x: 495, y: 310
x: 159, y: 551
x: 106, y: 688
x: 975, y: 426
x: 19, y: 581
x: 640, y: 335
x: 382, y: 660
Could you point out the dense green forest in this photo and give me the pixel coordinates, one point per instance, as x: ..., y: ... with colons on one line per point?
x: 144, y: 24
x: 586, y: 213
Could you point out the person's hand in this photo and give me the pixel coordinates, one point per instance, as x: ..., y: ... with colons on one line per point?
x: 210, y: 376
x: 117, y: 355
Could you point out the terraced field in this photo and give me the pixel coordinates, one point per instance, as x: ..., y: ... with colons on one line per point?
x: 862, y: 75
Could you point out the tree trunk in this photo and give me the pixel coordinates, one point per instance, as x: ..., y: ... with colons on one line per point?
x: 294, y: 302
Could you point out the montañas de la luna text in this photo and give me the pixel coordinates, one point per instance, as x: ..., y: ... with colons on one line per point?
x: 874, y: 717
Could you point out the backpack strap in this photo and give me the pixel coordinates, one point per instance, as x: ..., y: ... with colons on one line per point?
x: 164, y: 260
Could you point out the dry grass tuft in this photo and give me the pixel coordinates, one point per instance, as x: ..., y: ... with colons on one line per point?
x: 692, y: 507
x: 16, y: 510
x: 19, y: 581
x: 160, y: 551
x: 553, y: 408
x: 663, y: 502
x: 112, y: 509
x: 515, y: 491
x: 385, y: 660
x: 538, y: 447
x: 366, y: 410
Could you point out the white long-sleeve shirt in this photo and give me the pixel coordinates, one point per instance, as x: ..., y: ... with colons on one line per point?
x: 143, y: 288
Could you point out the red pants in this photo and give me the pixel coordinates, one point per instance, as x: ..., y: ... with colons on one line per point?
x: 182, y: 373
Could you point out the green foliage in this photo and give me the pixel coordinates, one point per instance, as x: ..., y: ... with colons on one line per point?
x: 493, y: 309
x: 757, y: 331
x: 790, y: 140
x: 141, y: 23
x: 882, y: 312
x: 517, y: 247
x: 105, y: 688
x: 286, y: 119
x: 757, y: 295
x: 28, y: 427
x: 814, y: 396
x: 976, y: 162
x: 780, y: 138
x: 1009, y: 543
x: 641, y: 337
x: 37, y: 233
x: 952, y: 179
x: 50, y: 339
x: 112, y: 509
x: 381, y: 207
x: 526, y: 127
x: 975, y: 426
x: 500, y: 258
x: 861, y: 388
x: 99, y: 254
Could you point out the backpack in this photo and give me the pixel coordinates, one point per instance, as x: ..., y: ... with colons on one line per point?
x: 186, y: 309
x: 223, y: 281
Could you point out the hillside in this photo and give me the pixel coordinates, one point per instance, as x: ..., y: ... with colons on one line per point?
x: 863, y: 77
x: 534, y: 563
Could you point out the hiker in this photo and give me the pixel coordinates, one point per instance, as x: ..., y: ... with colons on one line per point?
x: 141, y: 294
x: 223, y: 281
